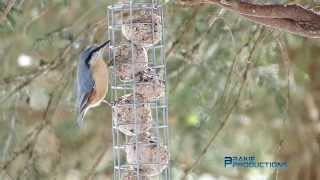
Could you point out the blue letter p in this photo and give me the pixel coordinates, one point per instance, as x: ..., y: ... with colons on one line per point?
x: 227, y: 161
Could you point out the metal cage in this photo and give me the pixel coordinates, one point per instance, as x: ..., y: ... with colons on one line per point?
x: 139, y: 90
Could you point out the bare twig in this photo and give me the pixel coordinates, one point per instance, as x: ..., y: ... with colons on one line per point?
x: 96, y: 163
x: 33, y: 136
x: 212, y: 20
x: 228, y: 113
x: 286, y: 62
x: 7, y: 10
x: 287, y: 65
x: 186, y: 27
x: 221, y: 100
x: 10, y: 137
x: 33, y: 19
x: 195, y: 47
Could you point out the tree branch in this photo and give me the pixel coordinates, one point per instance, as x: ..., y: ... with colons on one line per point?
x: 301, y: 28
x: 290, y: 18
x: 292, y: 11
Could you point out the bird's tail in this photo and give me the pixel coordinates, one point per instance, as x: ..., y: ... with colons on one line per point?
x: 80, y: 119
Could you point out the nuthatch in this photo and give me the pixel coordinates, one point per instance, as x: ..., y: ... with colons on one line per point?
x: 150, y: 86
x: 145, y: 151
x: 126, y: 120
x: 129, y: 58
x: 92, y: 80
x: 143, y: 30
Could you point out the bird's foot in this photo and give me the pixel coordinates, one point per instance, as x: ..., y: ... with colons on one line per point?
x: 107, y: 103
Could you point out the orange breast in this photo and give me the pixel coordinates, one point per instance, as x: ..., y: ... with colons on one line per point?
x: 100, y: 74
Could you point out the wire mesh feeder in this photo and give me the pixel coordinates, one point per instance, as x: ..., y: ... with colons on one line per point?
x: 140, y: 109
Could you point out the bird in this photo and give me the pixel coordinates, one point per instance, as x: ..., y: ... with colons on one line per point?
x: 92, y: 80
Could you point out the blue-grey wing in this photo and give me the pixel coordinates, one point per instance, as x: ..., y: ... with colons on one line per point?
x: 85, y: 84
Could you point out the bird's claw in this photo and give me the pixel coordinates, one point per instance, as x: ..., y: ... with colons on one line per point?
x: 108, y: 103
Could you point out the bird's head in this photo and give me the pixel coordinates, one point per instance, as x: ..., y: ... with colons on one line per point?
x: 92, y: 53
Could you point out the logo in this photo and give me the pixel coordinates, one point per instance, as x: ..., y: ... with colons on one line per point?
x: 251, y: 162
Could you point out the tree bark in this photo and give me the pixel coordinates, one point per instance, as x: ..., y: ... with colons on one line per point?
x: 291, y: 18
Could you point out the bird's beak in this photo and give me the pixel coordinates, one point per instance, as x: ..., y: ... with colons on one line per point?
x: 97, y: 50
x: 101, y: 46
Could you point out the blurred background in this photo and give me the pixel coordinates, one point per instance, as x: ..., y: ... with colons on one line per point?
x: 235, y: 88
